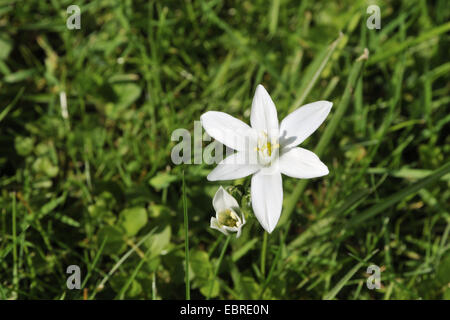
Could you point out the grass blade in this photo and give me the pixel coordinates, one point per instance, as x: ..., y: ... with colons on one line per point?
x: 384, y: 54
x: 222, y: 253
x: 119, y: 263
x: 396, y: 197
x: 333, y: 292
x: 186, y: 241
x: 313, y: 73
x: 354, y: 75
x: 5, y: 111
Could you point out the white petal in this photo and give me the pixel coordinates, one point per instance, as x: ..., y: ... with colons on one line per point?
x: 233, y: 167
x: 301, y: 123
x: 240, y: 227
x: 301, y: 163
x: 215, y: 225
x: 243, y: 219
x: 223, y: 200
x: 226, y: 129
x: 267, y: 199
x: 238, y: 234
x: 264, y: 114
x: 230, y: 229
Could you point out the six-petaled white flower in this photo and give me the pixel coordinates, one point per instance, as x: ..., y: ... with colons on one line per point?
x: 267, y: 149
x: 227, y: 213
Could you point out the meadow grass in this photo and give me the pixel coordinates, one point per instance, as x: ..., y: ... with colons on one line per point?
x: 92, y: 184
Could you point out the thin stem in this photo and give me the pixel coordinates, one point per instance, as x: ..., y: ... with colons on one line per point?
x: 216, y: 271
x: 154, y: 286
x: 275, y: 260
x: 186, y: 241
x: 263, y: 254
x: 14, y: 235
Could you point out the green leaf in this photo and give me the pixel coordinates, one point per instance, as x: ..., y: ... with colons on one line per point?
x: 312, y: 73
x: 162, y: 180
x: 19, y: 76
x: 446, y: 295
x: 355, y: 73
x: 5, y: 47
x: 214, y: 291
x: 127, y: 93
x: 239, y: 253
x: 45, y: 166
x: 51, y: 205
x: 333, y: 292
x: 202, y: 269
x: 159, y: 241
x: 250, y: 287
x: 201, y: 266
x: 443, y: 271
x: 396, y: 197
x: 133, y: 289
x: 113, y: 238
x: 408, y: 43
x: 133, y: 220
x: 24, y: 145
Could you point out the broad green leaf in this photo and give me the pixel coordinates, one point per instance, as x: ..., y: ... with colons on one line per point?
x: 162, y: 180
x: 214, y: 291
x: 201, y: 266
x: 133, y: 220
x: 159, y: 241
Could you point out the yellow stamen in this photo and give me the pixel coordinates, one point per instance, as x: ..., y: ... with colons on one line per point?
x: 228, y: 218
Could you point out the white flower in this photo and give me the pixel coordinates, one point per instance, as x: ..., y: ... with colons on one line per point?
x: 267, y: 149
x: 227, y: 219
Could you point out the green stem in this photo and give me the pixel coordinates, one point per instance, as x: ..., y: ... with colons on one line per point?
x: 14, y: 236
x: 263, y: 254
x: 186, y: 241
x: 154, y: 285
x: 275, y: 261
x: 216, y: 271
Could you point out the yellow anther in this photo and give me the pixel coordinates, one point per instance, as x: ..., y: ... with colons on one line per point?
x: 228, y: 218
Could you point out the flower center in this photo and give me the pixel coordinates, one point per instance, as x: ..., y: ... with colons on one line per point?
x: 267, y: 148
x: 229, y: 218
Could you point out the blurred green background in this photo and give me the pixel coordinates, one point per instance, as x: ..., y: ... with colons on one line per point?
x: 93, y: 184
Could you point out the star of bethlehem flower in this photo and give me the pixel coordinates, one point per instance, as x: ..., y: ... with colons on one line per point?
x: 227, y: 218
x: 266, y: 150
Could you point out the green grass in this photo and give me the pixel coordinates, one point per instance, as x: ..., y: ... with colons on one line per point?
x: 95, y: 186
x: 186, y: 243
